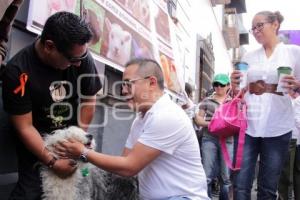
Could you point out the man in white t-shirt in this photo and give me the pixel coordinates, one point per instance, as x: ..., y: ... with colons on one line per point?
x: 161, y: 148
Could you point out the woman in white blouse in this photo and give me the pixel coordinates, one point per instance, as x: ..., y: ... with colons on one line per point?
x: 270, y: 119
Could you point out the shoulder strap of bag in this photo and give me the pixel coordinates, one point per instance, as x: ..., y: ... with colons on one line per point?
x: 240, y: 145
x: 239, y: 152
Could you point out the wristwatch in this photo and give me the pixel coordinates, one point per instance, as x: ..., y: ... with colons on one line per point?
x: 83, y: 155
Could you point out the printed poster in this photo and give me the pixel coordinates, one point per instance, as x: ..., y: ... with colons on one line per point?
x: 122, y: 29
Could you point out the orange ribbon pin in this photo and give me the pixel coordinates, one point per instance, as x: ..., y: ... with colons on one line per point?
x: 21, y: 88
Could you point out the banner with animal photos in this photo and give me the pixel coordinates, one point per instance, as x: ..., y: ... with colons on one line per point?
x: 170, y: 73
x: 122, y: 29
x: 161, y: 20
x: 139, y: 9
x: 39, y: 11
x: 123, y: 36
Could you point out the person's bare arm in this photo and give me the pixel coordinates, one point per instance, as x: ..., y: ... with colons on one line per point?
x: 30, y: 136
x: 3, y: 51
x: 5, y: 26
x: 136, y: 159
x: 87, y: 110
x: 235, y: 79
x: 1, y: 60
x: 126, y: 151
x: 8, y: 18
x: 199, y: 119
x: 33, y: 141
x: 17, y: 2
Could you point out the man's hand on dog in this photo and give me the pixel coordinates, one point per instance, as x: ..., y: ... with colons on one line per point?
x: 70, y: 149
x: 67, y: 151
x: 64, y: 167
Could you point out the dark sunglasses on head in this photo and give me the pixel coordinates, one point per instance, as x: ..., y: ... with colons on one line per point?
x: 216, y: 84
x: 75, y: 59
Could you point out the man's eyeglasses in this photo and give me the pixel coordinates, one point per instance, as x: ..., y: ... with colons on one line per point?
x: 129, y: 83
x: 259, y: 26
x: 75, y: 59
x: 216, y: 84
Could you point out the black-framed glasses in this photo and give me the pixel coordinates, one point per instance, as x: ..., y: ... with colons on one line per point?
x: 259, y: 26
x: 129, y: 83
x: 75, y: 59
x: 216, y: 84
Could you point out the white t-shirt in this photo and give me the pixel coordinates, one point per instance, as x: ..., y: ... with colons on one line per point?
x: 270, y: 115
x: 178, y: 170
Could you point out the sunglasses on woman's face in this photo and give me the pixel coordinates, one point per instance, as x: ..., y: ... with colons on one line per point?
x: 216, y: 84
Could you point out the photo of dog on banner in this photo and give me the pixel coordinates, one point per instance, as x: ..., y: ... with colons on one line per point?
x: 87, y: 182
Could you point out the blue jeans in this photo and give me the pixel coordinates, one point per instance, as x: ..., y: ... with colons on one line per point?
x: 297, y: 174
x: 285, y: 185
x: 214, y: 164
x: 272, y: 153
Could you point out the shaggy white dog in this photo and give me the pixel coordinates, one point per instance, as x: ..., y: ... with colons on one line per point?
x: 55, y: 187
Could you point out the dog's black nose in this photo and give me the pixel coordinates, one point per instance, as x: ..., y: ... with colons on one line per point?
x: 90, y: 138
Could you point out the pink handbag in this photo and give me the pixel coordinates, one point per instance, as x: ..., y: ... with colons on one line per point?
x: 228, y: 120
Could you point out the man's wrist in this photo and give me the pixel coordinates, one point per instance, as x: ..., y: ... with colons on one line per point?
x: 48, y: 158
x: 51, y: 162
x: 84, y: 154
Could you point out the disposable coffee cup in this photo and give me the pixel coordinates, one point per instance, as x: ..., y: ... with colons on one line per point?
x: 243, y: 68
x: 282, y: 71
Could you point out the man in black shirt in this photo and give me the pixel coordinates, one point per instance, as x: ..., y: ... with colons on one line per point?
x: 44, y: 85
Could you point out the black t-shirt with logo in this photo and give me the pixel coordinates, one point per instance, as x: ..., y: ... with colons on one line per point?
x: 52, y: 95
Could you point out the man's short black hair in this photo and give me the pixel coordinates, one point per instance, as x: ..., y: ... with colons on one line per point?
x: 66, y: 29
x: 148, y: 67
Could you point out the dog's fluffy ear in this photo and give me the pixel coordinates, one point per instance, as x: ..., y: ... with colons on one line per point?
x: 77, y: 133
x: 61, y: 135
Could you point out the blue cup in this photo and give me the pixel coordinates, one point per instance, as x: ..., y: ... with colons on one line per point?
x: 242, y: 66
